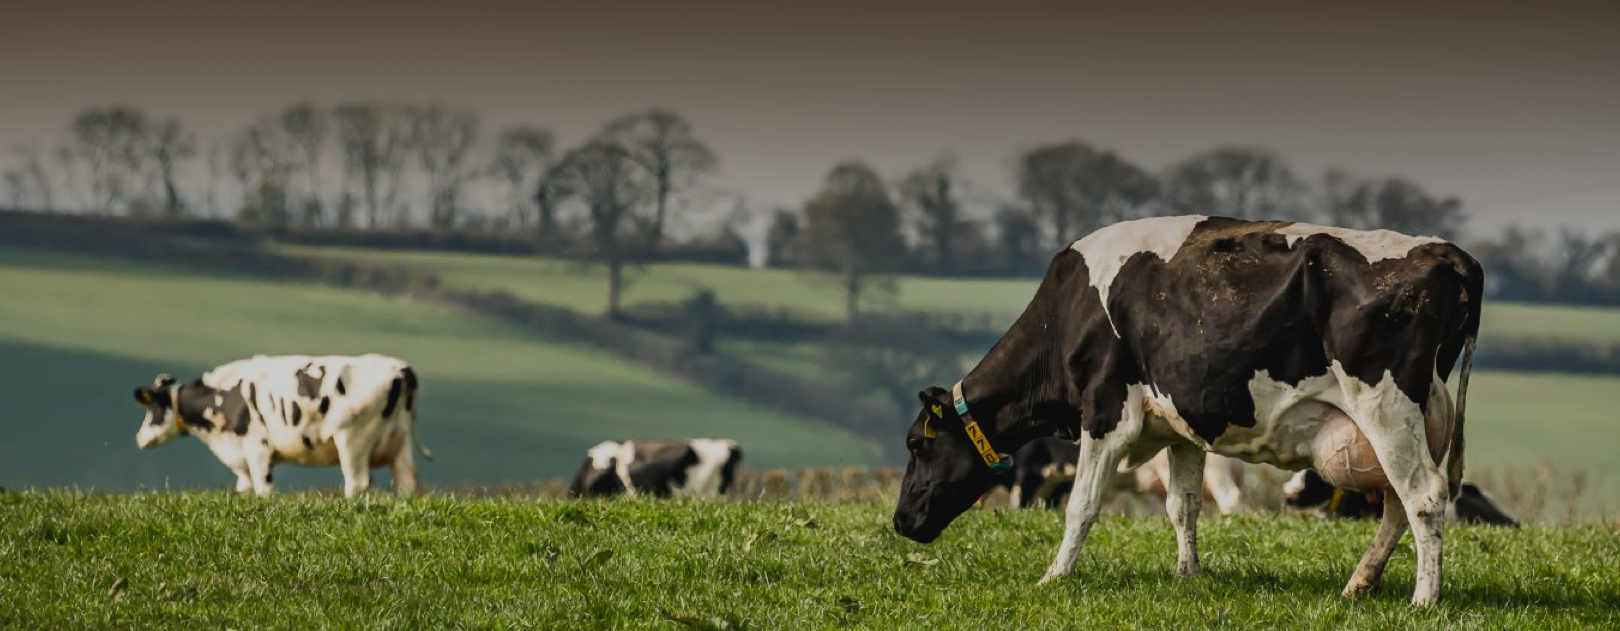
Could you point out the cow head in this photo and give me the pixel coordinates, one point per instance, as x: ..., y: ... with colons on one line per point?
x: 944, y: 476
x: 162, y: 424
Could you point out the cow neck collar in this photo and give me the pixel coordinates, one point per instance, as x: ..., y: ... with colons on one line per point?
x: 997, y: 462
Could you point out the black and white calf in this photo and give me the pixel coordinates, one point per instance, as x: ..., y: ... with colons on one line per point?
x: 1274, y: 342
x: 1306, y: 489
x: 355, y: 412
x: 701, y: 467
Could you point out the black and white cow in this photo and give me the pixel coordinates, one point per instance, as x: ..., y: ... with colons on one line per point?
x: 1280, y: 343
x: 701, y: 468
x: 1306, y: 489
x: 355, y: 412
x: 1044, y: 470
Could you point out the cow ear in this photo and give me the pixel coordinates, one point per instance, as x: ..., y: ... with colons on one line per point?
x: 163, y: 379
x: 922, y: 395
x: 143, y: 396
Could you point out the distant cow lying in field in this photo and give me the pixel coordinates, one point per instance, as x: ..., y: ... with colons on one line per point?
x: 1306, y: 489
x: 1043, y: 472
x: 700, y: 467
x: 355, y: 412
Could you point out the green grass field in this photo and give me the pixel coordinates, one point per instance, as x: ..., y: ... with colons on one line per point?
x: 214, y: 561
x: 583, y: 287
x: 498, y: 404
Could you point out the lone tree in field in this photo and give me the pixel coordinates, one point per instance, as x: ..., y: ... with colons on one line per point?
x: 852, y: 229
x: 662, y: 143
x: 308, y: 128
x: 605, y: 179
x: 932, y: 194
x: 112, y: 145
x: 1235, y: 182
x: 524, y: 156
x: 1079, y: 188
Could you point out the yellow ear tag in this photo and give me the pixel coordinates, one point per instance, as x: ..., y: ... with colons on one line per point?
x: 939, y: 412
x: 928, y: 430
x: 146, y: 397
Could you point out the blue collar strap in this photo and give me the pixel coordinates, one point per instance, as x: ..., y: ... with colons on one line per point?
x: 997, y: 462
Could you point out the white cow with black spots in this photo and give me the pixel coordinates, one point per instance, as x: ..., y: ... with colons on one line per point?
x: 355, y: 412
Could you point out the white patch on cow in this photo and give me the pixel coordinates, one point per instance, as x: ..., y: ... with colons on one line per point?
x: 602, y: 454
x: 1106, y: 250
x: 1286, y: 420
x: 703, y: 479
x: 1375, y: 245
x: 1161, y: 413
x: 1295, y: 484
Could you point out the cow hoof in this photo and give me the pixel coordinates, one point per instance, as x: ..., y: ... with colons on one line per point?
x: 1359, y: 589
x: 1048, y: 578
x: 1187, y: 571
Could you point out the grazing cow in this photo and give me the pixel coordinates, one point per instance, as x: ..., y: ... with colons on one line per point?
x: 1307, y: 489
x: 1043, y: 472
x: 701, y: 467
x: 355, y: 412
x: 1272, y: 342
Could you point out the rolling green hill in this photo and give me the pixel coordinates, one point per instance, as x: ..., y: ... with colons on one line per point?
x: 213, y: 561
x: 498, y: 404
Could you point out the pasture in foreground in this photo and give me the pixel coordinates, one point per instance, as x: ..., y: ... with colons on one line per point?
x: 213, y: 560
x: 498, y: 403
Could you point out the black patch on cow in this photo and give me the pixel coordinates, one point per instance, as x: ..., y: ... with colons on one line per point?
x: 194, y: 400
x: 1028, y: 464
x: 728, y: 473
x: 592, y: 482
x: 394, y: 388
x: 297, y: 413
x: 659, y: 467
x: 308, y: 444
x: 326, y: 404
x: 239, y: 409
x: 410, y: 388
x: 308, y: 384
x: 269, y: 477
x: 340, y: 389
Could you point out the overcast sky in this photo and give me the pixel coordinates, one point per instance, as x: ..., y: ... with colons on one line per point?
x: 1510, y: 106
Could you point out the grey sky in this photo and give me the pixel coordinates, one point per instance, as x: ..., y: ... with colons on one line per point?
x: 1509, y: 106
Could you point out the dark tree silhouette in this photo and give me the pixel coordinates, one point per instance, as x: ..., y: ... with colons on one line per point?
x: 662, y: 143
x: 603, y: 177
x: 1235, y: 182
x: 932, y: 194
x: 1079, y: 188
x: 852, y: 229
x: 523, y: 158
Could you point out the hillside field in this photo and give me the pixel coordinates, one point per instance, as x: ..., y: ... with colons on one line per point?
x: 214, y: 561
x: 498, y: 404
x: 583, y: 287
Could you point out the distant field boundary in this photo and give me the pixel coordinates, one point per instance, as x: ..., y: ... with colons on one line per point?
x: 155, y: 242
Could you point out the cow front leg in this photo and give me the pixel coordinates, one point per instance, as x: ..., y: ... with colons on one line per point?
x: 1183, y: 499
x: 354, y: 457
x: 1099, y: 458
x: 1371, y: 569
x: 244, y: 481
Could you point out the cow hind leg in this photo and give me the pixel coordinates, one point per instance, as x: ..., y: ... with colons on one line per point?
x: 1099, y: 458
x: 1183, y: 499
x: 354, y: 457
x: 1394, y: 426
x: 1371, y: 569
x: 405, y: 470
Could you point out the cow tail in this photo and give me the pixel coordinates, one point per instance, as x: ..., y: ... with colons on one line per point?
x: 1454, y: 460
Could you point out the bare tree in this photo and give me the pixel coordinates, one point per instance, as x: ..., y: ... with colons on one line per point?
x: 170, y: 144
x: 1076, y: 186
x: 34, y: 177
x: 1391, y: 204
x: 605, y: 179
x: 524, y: 156
x: 16, y: 186
x: 932, y: 194
x: 1574, y: 261
x: 663, y: 144
x: 111, y: 142
x: 263, y: 159
x: 852, y: 229
x: 308, y: 128
x: 1235, y: 182
x: 372, y: 138
x: 442, y: 138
